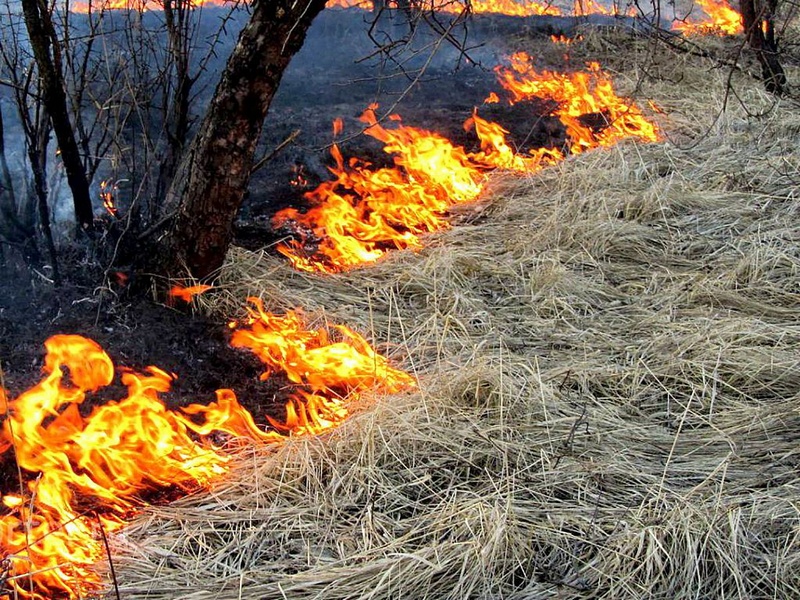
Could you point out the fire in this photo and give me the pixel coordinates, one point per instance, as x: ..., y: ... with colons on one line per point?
x: 187, y: 293
x: 84, y: 474
x: 517, y: 8
x: 582, y: 8
x: 594, y: 115
x: 365, y: 4
x: 721, y: 18
x: 108, y: 191
x: 365, y: 211
x: 563, y: 39
x: 495, y: 151
x: 514, y: 8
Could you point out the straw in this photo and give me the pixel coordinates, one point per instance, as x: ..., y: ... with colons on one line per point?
x: 609, y: 364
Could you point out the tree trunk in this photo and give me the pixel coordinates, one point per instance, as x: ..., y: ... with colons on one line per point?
x: 211, y: 181
x: 176, y: 103
x: 45, y: 49
x: 11, y: 228
x: 754, y: 14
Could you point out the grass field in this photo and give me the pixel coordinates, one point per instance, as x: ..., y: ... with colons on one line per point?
x: 608, y: 355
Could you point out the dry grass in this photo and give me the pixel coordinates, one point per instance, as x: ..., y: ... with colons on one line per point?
x: 608, y: 356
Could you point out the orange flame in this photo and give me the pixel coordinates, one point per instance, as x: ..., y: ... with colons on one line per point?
x: 84, y: 473
x: 594, y: 115
x: 365, y: 211
x: 187, y: 293
x: 720, y: 19
x: 517, y: 8
x: 495, y: 151
x: 108, y: 191
x: 365, y: 4
x: 512, y: 8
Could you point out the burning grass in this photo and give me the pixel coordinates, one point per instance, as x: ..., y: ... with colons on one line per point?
x: 608, y: 402
x: 362, y: 213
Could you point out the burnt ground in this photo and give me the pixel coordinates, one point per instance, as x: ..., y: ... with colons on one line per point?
x: 338, y: 74
x: 324, y: 82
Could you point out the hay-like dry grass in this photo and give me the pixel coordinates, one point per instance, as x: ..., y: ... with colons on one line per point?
x: 609, y: 364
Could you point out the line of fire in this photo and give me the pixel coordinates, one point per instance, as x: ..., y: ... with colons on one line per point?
x: 85, y: 468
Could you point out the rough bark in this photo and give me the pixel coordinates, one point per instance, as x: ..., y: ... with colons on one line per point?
x: 758, y: 23
x: 45, y: 49
x: 212, y: 179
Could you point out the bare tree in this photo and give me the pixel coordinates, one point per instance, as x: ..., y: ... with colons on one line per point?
x: 13, y: 228
x: 213, y: 176
x: 758, y: 19
x: 45, y: 44
x: 131, y: 107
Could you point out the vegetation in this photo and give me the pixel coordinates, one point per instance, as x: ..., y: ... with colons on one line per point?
x: 606, y: 350
x: 608, y: 401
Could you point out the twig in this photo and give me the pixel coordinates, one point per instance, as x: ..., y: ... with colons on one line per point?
x: 108, y: 554
x: 157, y: 225
x: 275, y: 151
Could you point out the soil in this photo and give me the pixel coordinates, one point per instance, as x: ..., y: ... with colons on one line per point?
x: 135, y: 332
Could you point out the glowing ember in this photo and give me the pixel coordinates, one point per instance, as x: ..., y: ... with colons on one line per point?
x: 83, y: 473
x: 721, y: 19
x: 187, y: 293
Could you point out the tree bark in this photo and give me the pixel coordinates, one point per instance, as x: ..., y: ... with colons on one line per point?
x: 212, y: 179
x: 758, y: 24
x: 45, y: 49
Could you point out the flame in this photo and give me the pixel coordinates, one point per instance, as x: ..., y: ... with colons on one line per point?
x: 87, y: 473
x: 495, y: 151
x: 720, y: 19
x: 108, y: 191
x: 593, y: 113
x: 365, y: 4
x: 513, y: 8
x: 299, y: 180
x: 187, y: 293
x: 582, y: 8
x: 365, y: 211
x: 338, y: 126
x: 517, y: 8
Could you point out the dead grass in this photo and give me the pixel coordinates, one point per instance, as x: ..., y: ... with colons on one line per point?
x: 608, y: 355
